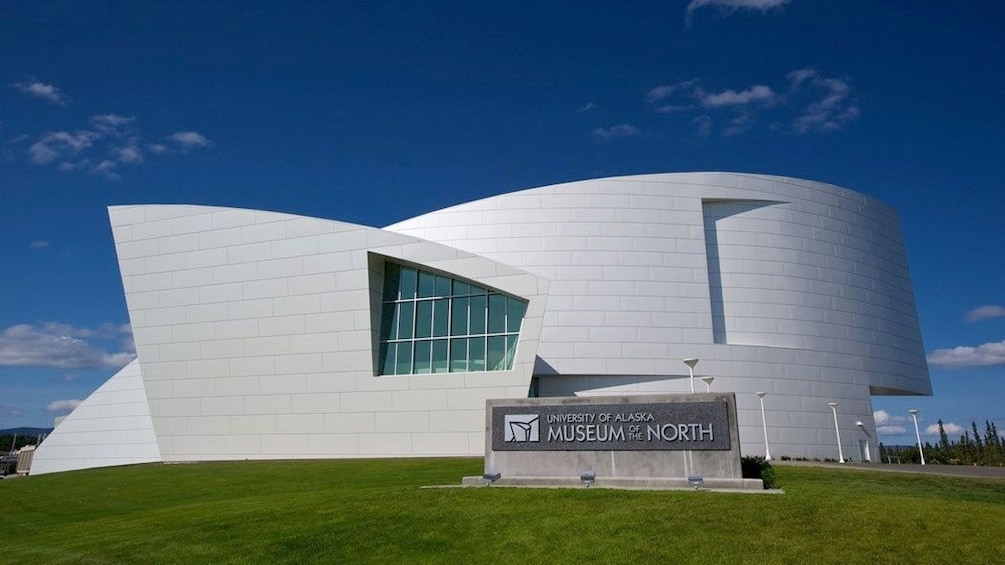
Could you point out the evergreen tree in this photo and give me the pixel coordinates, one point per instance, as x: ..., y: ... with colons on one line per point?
x: 943, y: 438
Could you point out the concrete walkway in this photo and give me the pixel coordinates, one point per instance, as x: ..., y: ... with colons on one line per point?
x: 944, y: 470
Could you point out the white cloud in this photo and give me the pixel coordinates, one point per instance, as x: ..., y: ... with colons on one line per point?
x: 734, y: 5
x: 60, y: 346
x: 738, y: 124
x: 110, y: 140
x: 826, y: 104
x: 63, y: 405
x: 106, y: 169
x: 60, y: 145
x: 804, y: 102
x: 661, y: 93
x: 883, y: 418
x: 69, y: 167
x: 41, y: 90
x: 750, y: 4
x: 130, y: 154
x: 9, y: 410
x: 111, y: 124
x: 703, y: 125
x: 889, y: 425
x: 757, y: 94
x: 588, y: 107
x: 620, y: 130
x: 949, y: 427
x: 189, y: 140
x: 39, y: 244
x: 985, y: 312
x: 986, y: 355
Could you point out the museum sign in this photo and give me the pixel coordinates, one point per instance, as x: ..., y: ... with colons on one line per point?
x: 665, y: 426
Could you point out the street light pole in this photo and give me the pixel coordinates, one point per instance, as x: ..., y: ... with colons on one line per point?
x: 691, y: 362
x: 708, y: 383
x: 917, y: 434
x: 764, y: 424
x: 834, y: 409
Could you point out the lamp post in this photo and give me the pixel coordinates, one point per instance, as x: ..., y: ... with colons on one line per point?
x: 914, y: 414
x: 691, y: 362
x: 764, y: 424
x: 708, y: 383
x: 834, y: 409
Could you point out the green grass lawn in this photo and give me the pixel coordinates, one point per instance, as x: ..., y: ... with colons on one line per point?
x: 374, y: 511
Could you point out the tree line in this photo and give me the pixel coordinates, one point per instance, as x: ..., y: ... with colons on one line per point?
x: 13, y: 442
x: 987, y: 449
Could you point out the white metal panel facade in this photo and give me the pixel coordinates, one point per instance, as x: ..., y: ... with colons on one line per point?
x: 796, y: 288
x: 258, y: 331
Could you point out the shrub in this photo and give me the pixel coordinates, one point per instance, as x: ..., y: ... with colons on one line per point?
x: 758, y: 468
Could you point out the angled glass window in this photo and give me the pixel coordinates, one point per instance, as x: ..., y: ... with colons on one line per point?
x: 432, y: 323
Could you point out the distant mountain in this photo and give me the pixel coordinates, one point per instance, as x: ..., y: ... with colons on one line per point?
x: 25, y: 431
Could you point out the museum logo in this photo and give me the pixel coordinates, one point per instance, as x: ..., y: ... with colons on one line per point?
x: 522, y: 428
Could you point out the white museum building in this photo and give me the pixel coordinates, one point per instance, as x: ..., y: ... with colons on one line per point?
x: 264, y: 335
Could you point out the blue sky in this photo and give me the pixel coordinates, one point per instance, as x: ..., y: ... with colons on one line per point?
x: 323, y: 110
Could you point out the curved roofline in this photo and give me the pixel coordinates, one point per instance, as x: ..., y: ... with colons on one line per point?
x: 675, y: 177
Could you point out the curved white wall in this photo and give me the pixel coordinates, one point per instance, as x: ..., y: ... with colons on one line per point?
x: 796, y: 288
x: 111, y: 427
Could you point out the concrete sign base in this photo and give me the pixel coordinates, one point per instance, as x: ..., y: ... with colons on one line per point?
x: 644, y: 441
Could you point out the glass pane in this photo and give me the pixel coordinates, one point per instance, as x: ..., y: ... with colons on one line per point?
x: 497, y: 313
x: 458, y: 355
x: 422, y: 350
x: 424, y: 318
x: 477, y: 315
x: 442, y: 286
x: 387, y: 358
x: 441, y: 319
x: 496, y: 353
x: 461, y: 288
x: 476, y: 354
x: 514, y: 314
x: 404, y: 364
x: 426, y: 284
x: 387, y: 321
x: 392, y: 274
x: 510, y: 351
x: 440, y: 356
x: 406, y: 321
x: 392, y: 327
x: 459, y: 317
x: 407, y: 283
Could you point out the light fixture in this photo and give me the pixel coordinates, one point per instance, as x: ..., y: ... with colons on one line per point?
x: 708, y: 383
x: 764, y: 424
x: 691, y: 362
x: 914, y: 414
x: 834, y: 409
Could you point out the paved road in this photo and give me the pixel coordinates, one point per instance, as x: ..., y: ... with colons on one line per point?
x: 944, y: 470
